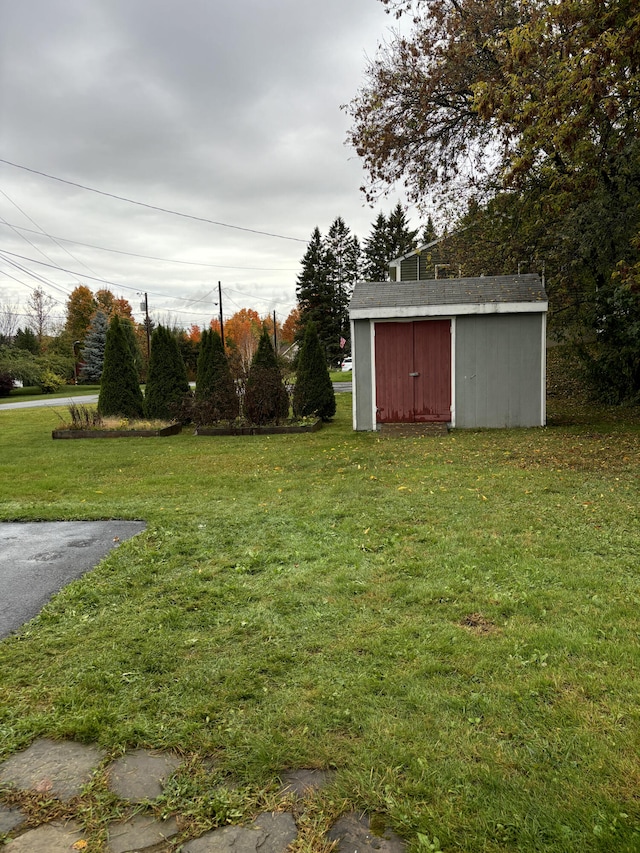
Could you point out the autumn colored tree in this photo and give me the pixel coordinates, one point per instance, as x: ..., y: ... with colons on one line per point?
x: 194, y: 333
x: 167, y: 380
x: 242, y: 331
x: 536, y: 101
x: 81, y: 306
x: 265, y: 399
x: 290, y: 326
x: 120, y: 393
x: 313, y: 393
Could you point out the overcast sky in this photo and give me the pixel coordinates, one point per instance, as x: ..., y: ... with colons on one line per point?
x: 228, y: 110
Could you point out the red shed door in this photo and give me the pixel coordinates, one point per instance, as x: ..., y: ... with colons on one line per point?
x: 413, y: 371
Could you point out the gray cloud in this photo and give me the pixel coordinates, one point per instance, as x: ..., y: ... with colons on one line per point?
x: 226, y: 110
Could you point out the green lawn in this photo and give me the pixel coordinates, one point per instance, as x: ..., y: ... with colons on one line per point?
x: 451, y: 623
x: 22, y: 395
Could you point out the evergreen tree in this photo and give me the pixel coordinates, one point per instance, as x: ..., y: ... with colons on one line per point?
x: 402, y: 239
x: 204, y: 369
x: 265, y: 398
x: 134, y: 344
x: 429, y: 233
x: 93, y: 350
x: 313, y: 292
x: 313, y: 393
x: 120, y: 393
x: 25, y: 339
x: 167, y: 380
x: 216, y: 393
x: 343, y: 269
x: 330, y: 268
x: 376, y: 251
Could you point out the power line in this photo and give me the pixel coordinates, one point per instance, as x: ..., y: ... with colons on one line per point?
x: 40, y: 231
x: 148, y: 257
x: 151, y: 206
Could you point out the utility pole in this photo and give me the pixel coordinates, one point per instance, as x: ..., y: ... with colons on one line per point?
x: 275, y: 339
x: 220, y: 304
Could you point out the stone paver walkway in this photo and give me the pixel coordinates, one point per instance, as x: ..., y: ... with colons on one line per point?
x: 61, y: 770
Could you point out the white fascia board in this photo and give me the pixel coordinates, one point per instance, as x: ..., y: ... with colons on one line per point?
x: 404, y: 312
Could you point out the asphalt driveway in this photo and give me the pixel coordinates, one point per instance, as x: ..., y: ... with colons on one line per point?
x: 38, y: 558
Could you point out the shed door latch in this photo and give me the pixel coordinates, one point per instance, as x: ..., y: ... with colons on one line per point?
x: 414, y: 374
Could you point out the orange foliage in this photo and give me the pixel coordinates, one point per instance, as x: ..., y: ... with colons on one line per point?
x: 290, y: 326
x: 242, y: 331
x: 194, y: 334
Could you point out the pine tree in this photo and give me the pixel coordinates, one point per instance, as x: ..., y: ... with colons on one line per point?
x: 376, y: 251
x: 330, y: 268
x: 343, y: 269
x: 120, y: 393
x: 167, y: 380
x: 429, y: 233
x: 265, y: 398
x: 313, y: 393
x: 93, y: 350
x: 313, y: 292
x: 402, y: 239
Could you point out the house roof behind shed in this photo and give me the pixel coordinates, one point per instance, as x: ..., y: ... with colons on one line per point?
x: 487, y: 294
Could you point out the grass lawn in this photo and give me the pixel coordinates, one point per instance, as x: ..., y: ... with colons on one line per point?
x: 23, y: 395
x: 450, y: 623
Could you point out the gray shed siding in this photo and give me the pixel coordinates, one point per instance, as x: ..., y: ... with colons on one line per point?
x: 499, y: 370
x: 363, y: 387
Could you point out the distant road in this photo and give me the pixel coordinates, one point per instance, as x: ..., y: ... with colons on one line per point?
x: 63, y: 402
x: 54, y: 401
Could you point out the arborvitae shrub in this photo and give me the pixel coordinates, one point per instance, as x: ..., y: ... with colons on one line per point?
x: 204, y: 367
x: 167, y: 381
x: 313, y: 393
x: 265, y: 398
x: 120, y: 393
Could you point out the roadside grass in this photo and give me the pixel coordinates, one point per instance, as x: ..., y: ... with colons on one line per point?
x: 32, y: 392
x: 451, y: 623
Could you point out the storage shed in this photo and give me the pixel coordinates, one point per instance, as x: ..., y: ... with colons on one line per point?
x: 468, y: 352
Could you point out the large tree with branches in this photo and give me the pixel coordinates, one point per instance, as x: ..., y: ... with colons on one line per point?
x: 535, y: 103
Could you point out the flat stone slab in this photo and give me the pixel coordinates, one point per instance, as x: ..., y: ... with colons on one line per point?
x: 59, y: 769
x: 140, y: 833
x: 353, y: 834
x: 50, y: 838
x: 10, y: 819
x: 269, y: 833
x: 141, y: 775
x: 302, y: 782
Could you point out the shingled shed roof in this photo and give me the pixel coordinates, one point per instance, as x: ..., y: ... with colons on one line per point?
x: 437, y: 297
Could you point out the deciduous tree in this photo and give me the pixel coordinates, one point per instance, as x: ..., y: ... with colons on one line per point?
x: 80, y: 309
x: 537, y: 101
x: 39, y: 309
